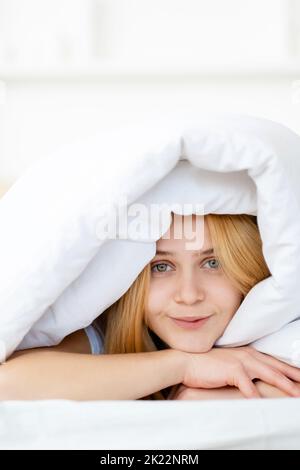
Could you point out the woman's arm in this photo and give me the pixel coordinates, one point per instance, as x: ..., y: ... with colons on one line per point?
x: 55, y: 372
x: 288, y: 386
x: 46, y: 373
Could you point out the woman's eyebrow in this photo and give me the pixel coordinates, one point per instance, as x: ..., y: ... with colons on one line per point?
x: 196, y: 253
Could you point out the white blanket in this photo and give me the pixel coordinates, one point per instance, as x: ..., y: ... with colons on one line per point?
x: 262, y: 424
x: 57, y: 275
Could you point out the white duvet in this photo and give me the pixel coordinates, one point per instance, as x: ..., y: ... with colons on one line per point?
x: 262, y: 424
x: 57, y: 275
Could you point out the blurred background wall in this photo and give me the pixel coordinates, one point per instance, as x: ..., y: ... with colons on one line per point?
x: 71, y: 67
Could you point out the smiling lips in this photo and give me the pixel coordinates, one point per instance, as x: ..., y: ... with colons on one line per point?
x: 190, y: 322
x: 189, y: 318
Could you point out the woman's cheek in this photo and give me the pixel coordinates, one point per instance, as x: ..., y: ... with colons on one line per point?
x: 154, y: 301
x: 159, y: 296
x: 227, y: 298
x: 154, y: 306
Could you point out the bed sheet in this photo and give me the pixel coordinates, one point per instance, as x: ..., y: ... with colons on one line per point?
x: 136, y: 424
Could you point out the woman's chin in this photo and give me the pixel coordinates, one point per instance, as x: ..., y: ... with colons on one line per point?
x: 192, y: 348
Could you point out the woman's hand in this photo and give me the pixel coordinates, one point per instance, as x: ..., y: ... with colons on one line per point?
x: 237, y: 367
x: 225, y: 393
x: 222, y: 393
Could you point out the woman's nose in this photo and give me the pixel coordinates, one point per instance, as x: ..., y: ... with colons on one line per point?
x: 189, y: 290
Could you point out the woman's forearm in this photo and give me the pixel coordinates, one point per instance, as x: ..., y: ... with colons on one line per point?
x: 48, y: 374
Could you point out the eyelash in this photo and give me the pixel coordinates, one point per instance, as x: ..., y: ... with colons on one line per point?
x: 164, y: 262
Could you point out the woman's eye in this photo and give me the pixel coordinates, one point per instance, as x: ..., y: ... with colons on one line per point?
x: 160, y: 267
x: 215, y: 263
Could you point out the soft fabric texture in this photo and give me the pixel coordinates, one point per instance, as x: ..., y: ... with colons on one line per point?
x: 57, y: 275
x: 95, y: 339
x: 151, y: 424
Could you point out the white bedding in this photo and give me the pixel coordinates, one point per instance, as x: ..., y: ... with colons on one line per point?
x: 224, y: 424
x: 54, y: 274
x: 55, y: 277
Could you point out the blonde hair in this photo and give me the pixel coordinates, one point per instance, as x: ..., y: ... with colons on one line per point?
x: 238, y: 247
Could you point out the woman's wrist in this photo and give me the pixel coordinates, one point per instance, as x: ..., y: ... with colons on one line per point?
x: 178, y: 364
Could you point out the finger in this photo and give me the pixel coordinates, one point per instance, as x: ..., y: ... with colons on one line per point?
x: 247, y: 387
x: 286, y: 369
x: 274, y: 377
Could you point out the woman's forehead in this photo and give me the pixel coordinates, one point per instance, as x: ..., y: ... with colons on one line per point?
x: 186, y: 237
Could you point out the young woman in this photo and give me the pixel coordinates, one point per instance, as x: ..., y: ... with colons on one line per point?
x: 157, y: 341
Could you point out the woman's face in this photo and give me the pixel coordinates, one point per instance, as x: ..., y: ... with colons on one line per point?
x: 188, y: 283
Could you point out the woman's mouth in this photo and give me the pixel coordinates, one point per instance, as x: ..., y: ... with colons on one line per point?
x: 190, y: 325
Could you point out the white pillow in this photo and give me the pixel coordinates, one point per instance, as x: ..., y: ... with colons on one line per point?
x: 57, y: 274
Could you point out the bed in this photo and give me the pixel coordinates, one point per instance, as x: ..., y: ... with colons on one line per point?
x: 52, y: 280
x: 262, y: 424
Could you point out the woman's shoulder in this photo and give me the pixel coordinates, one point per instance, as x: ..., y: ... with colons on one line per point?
x: 88, y: 340
x: 76, y: 342
x: 85, y: 341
